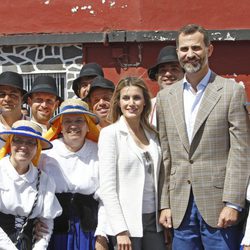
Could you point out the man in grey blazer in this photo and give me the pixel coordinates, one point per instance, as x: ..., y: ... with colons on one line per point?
x: 204, y: 133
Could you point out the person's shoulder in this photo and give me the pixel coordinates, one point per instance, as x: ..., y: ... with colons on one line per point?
x: 109, y: 129
x: 170, y: 88
x: 229, y: 82
x: 57, y: 143
x: 46, y: 182
x: 91, y: 144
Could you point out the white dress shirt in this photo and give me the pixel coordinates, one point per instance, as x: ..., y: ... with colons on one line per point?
x: 192, y: 101
x: 17, y: 195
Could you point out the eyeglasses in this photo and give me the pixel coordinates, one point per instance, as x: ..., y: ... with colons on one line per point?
x: 20, y: 142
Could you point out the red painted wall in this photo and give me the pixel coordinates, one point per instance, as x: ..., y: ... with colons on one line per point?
x: 230, y: 59
x: 69, y: 16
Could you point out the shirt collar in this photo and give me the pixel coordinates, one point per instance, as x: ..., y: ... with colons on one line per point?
x: 201, y: 85
x: 29, y: 177
x: 62, y: 150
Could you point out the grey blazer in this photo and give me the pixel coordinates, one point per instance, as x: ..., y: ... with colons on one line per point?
x: 216, y: 164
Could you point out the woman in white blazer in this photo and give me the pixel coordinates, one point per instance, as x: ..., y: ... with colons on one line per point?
x: 130, y: 158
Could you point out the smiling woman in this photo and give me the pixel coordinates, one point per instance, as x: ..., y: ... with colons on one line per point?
x: 32, y: 192
x: 73, y: 165
x: 130, y: 157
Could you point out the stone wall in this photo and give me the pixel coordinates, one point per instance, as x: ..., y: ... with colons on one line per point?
x: 42, y: 59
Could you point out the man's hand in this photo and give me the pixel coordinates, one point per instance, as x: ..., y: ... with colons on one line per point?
x: 228, y: 217
x: 166, y: 218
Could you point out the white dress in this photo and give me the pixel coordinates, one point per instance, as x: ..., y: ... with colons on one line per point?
x: 17, y: 195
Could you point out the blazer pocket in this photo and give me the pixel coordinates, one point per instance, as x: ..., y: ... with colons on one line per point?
x: 218, y: 182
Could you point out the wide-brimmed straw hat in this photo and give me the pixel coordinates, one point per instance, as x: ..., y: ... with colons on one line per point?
x: 12, y: 79
x: 29, y: 129
x: 44, y: 84
x: 89, y: 69
x: 166, y: 55
x: 77, y: 106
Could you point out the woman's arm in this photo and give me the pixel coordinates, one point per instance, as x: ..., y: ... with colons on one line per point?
x: 108, y: 152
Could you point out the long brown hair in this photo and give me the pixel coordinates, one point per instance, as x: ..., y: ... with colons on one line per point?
x: 115, y: 110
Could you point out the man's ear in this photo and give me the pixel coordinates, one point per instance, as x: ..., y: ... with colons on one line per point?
x: 57, y: 104
x: 29, y: 101
x: 210, y: 49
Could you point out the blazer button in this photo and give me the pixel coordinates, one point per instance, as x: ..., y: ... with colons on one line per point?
x: 188, y: 181
x: 191, y: 161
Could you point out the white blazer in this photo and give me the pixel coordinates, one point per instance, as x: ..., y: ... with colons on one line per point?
x: 122, y: 178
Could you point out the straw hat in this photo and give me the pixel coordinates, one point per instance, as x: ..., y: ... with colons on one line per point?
x: 26, y: 128
x: 77, y: 106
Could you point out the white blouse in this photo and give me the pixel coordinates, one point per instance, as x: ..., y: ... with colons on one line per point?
x: 74, y: 172
x: 17, y: 195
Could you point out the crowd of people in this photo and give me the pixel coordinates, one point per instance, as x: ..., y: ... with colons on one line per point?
x: 115, y: 169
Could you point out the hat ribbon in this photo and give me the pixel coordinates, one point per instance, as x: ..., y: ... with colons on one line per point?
x: 74, y: 107
x: 28, y: 129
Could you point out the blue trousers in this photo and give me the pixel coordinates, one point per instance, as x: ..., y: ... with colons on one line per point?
x: 195, y: 234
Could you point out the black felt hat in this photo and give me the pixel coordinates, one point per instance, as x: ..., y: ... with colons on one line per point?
x: 89, y: 69
x: 101, y: 82
x: 12, y: 79
x: 45, y: 84
x: 166, y: 55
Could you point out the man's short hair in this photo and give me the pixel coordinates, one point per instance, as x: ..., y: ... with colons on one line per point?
x: 191, y: 29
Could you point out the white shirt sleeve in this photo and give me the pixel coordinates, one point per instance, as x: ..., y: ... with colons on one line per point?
x: 5, y: 242
x: 100, y: 229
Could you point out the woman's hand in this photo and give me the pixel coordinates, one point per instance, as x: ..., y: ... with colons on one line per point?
x: 41, y: 229
x: 101, y: 243
x: 123, y: 241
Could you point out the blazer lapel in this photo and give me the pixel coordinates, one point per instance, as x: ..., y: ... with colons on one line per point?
x: 210, y: 98
x: 175, y: 100
x: 123, y: 130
